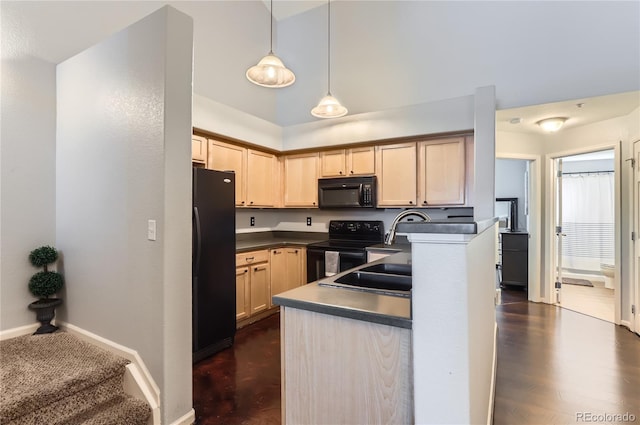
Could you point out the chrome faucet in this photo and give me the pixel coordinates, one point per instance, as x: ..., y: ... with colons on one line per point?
x: 391, y: 236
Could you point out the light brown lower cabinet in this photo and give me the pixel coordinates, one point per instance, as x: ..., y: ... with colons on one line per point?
x: 287, y: 269
x: 253, y: 279
x: 344, y: 371
x: 264, y: 273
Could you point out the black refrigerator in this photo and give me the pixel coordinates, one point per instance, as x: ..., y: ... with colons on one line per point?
x: 214, y: 250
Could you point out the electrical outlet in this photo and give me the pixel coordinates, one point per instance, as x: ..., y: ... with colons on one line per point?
x: 308, y: 221
x: 252, y: 222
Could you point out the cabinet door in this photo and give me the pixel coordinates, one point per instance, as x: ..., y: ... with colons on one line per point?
x: 333, y: 163
x: 259, y: 282
x: 301, y: 180
x: 262, y: 180
x: 294, y: 267
x: 242, y: 293
x: 361, y: 161
x: 396, y: 171
x: 278, y: 265
x: 442, y: 172
x: 227, y: 157
x: 199, y: 149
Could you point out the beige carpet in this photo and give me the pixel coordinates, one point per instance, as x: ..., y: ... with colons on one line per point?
x: 58, y: 379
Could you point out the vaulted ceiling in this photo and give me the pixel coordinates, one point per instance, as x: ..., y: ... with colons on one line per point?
x: 384, y: 54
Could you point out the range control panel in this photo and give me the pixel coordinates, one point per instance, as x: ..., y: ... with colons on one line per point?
x: 358, y: 230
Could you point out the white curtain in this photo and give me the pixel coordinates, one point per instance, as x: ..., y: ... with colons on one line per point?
x: 587, y: 220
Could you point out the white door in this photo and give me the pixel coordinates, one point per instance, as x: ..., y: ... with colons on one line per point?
x: 558, y: 230
x: 636, y: 228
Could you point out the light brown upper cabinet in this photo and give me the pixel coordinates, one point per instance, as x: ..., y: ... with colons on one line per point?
x: 441, y: 172
x: 199, y: 149
x: 301, y: 180
x: 227, y: 157
x: 262, y: 179
x: 397, y: 176
x: 348, y: 162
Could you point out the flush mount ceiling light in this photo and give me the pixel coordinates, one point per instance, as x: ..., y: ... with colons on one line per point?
x: 329, y: 107
x: 552, y: 124
x: 270, y: 71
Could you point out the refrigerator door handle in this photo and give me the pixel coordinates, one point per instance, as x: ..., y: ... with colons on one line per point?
x: 196, y: 217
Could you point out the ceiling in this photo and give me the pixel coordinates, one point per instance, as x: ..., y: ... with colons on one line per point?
x: 578, y: 112
x: 385, y: 54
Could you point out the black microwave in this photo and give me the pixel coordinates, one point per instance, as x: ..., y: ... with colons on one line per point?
x: 348, y: 192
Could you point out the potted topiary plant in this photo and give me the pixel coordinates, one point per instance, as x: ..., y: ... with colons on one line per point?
x: 44, y: 284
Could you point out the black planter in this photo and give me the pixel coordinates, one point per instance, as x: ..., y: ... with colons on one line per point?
x: 45, y: 309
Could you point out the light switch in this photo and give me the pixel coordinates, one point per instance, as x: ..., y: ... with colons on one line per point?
x: 151, y: 230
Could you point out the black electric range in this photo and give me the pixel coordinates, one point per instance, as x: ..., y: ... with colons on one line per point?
x: 347, y: 244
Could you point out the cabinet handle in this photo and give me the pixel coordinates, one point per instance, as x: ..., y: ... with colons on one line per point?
x: 424, y: 202
x: 251, y: 202
x: 242, y: 202
x: 246, y: 271
x: 351, y: 171
x: 410, y: 202
x: 249, y: 259
x: 340, y: 172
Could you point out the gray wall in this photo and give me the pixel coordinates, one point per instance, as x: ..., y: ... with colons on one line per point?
x: 123, y: 157
x: 510, y: 183
x: 27, y: 175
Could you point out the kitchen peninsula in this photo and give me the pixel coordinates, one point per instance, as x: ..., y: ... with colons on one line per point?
x: 350, y: 357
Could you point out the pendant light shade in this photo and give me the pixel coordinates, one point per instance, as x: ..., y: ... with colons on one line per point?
x: 270, y: 71
x: 329, y: 107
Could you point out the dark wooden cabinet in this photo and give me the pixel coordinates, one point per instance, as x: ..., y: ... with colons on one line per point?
x: 515, y: 259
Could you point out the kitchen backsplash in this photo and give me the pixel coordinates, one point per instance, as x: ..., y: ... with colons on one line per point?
x: 296, y: 219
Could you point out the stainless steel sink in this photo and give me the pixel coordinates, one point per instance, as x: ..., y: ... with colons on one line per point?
x: 392, y: 282
x: 389, y: 268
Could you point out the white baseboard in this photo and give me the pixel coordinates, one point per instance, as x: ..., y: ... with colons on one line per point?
x: 138, y: 381
x: 494, y: 370
x: 20, y: 331
x: 626, y: 324
x: 187, y: 419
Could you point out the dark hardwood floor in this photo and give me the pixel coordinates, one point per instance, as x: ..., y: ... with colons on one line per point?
x: 241, y: 385
x: 553, y: 365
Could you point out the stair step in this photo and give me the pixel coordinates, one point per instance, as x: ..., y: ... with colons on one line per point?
x: 40, y: 371
x: 120, y: 410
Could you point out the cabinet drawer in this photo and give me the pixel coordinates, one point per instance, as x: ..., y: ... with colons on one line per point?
x: 518, y: 242
x: 253, y: 257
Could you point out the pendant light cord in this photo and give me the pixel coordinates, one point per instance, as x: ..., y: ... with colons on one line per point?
x: 328, y: 47
x: 271, y: 30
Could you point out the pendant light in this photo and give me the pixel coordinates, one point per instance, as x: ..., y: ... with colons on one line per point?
x: 270, y: 71
x: 329, y: 107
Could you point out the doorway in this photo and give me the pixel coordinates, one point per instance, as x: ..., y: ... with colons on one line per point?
x: 585, y: 222
x: 518, y: 206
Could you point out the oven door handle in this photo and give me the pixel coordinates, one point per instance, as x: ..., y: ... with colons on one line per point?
x: 346, y: 254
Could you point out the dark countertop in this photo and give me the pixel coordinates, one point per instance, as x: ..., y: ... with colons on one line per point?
x: 353, y: 304
x: 277, y: 238
x: 464, y: 226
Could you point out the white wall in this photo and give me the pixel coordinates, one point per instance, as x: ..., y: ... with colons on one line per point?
x: 296, y: 219
x: 389, y: 54
x: 454, y: 114
x: 218, y: 118
x: 27, y: 174
x: 123, y: 157
x: 510, y: 183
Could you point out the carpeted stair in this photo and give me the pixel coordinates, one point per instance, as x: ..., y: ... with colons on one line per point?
x: 58, y: 379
